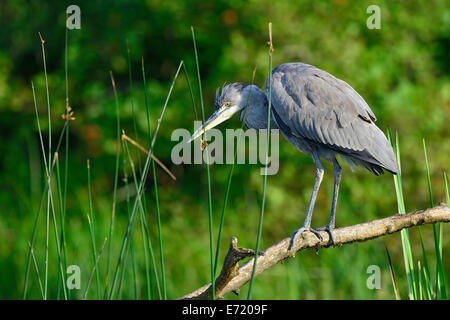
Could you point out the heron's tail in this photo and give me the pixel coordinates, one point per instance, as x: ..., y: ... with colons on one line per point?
x: 381, y: 153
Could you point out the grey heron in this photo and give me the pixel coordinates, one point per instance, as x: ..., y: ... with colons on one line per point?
x: 320, y: 115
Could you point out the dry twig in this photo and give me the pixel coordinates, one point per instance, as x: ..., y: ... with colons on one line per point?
x: 234, y: 277
x: 125, y: 137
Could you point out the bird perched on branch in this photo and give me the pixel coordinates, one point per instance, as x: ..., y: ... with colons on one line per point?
x: 320, y: 115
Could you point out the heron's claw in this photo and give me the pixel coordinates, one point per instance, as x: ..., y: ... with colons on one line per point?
x: 328, y: 229
x: 300, y: 231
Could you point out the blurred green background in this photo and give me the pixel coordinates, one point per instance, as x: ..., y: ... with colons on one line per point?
x: 401, y: 70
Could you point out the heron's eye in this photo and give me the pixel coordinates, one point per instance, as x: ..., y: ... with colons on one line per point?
x: 227, y: 104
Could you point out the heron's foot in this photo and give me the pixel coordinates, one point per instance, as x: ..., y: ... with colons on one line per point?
x: 328, y: 228
x: 300, y: 231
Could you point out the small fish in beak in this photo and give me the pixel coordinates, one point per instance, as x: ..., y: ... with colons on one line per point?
x: 203, y: 145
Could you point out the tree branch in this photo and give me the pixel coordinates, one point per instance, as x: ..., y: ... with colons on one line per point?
x: 233, y: 277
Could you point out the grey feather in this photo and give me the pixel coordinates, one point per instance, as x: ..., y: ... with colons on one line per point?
x: 329, y: 115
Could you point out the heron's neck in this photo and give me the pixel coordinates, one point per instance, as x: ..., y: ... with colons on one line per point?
x: 256, y: 114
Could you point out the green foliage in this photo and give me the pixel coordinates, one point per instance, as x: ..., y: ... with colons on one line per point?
x: 401, y: 70
x: 416, y: 286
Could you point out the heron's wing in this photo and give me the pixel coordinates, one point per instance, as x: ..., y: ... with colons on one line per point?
x: 314, y: 105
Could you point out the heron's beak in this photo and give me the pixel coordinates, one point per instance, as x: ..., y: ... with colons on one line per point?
x: 219, y: 116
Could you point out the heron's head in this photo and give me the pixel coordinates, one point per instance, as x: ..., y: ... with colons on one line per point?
x: 230, y: 100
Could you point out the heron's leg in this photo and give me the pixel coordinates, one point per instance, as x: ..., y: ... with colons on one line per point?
x: 307, y: 223
x: 337, y: 179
